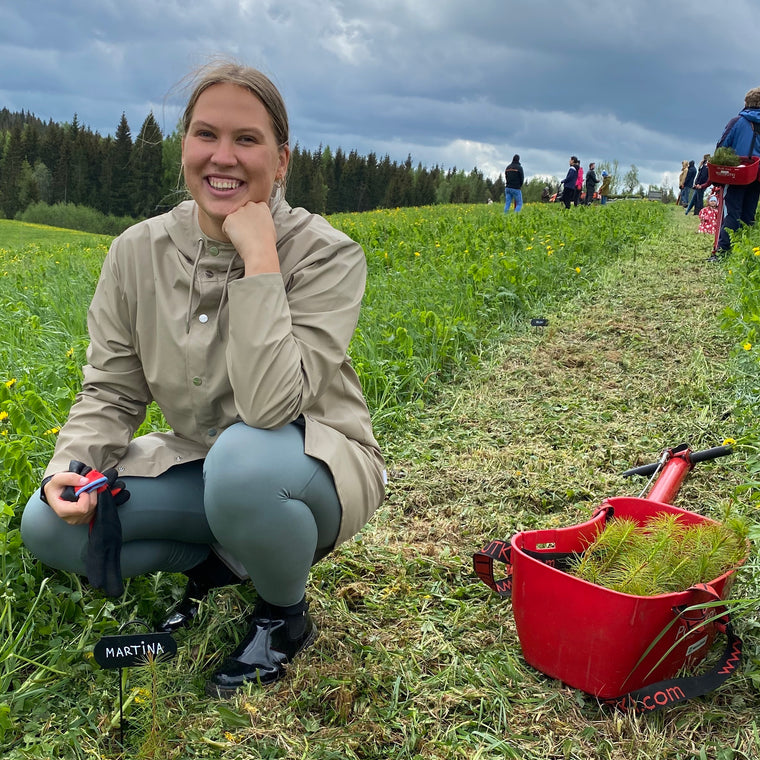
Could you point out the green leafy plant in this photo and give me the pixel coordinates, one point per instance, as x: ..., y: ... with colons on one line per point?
x: 663, y: 555
x: 725, y: 156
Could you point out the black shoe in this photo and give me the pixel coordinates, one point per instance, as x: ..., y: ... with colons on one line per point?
x: 274, y: 639
x: 211, y: 573
x: 187, y: 609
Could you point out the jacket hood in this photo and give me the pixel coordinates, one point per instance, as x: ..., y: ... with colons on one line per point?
x: 753, y: 114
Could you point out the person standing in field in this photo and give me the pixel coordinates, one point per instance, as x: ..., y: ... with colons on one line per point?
x: 742, y: 133
x: 701, y: 181
x: 514, y: 178
x: 591, y: 182
x: 604, y: 188
x: 688, y: 184
x: 578, y: 183
x: 682, y: 182
x: 233, y: 312
x: 708, y: 216
x: 569, y: 183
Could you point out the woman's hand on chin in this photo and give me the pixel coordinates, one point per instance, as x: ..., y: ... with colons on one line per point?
x: 251, y: 230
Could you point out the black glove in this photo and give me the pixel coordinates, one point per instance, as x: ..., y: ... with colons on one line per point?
x: 103, y: 561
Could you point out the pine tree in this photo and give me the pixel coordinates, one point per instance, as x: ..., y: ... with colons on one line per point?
x: 79, y: 166
x: 10, y: 174
x: 172, y: 183
x: 121, y: 177
x: 147, y: 169
x: 295, y: 190
x: 105, y: 175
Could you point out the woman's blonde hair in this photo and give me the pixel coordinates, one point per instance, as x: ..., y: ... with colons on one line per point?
x: 253, y: 80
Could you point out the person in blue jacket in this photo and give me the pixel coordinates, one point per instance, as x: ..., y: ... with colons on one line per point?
x: 568, y: 184
x: 701, y: 181
x: 742, y: 134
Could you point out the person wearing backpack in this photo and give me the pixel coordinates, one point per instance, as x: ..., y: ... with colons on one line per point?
x: 742, y: 134
x: 514, y: 177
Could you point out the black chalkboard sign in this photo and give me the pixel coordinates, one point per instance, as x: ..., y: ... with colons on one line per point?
x: 134, y: 650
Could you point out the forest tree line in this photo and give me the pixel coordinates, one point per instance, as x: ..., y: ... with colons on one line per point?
x: 139, y: 177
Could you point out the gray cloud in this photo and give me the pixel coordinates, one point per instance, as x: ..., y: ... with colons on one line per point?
x: 451, y: 82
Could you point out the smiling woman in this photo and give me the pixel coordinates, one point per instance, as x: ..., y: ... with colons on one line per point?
x: 233, y: 312
x: 230, y: 154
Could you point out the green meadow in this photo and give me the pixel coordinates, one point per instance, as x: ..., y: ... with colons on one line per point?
x: 490, y: 425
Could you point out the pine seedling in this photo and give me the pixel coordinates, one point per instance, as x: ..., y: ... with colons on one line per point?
x: 662, y: 556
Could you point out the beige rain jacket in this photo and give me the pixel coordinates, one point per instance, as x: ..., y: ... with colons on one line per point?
x: 174, y: 321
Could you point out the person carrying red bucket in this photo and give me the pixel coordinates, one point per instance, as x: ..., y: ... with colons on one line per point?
x: 737, y: 201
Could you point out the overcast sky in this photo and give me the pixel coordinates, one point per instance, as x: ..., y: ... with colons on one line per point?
x: 457, y: 83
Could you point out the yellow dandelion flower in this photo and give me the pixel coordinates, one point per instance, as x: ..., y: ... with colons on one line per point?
x: 70, y: 353
x: 578, y: 269
x: 3, y: 416
x: 51, y: 431
x: 747, y: 346
x: 10, y: 383
x: 729, y: 441
x: 416, y: 253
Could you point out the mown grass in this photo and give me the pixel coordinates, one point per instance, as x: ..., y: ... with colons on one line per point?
x: 512, y: 427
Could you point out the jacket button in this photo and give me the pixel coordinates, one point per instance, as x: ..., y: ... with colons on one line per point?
x: 213, y: 250
x: 197, y: 381
x: 211, y: 432
x: 203, y: 318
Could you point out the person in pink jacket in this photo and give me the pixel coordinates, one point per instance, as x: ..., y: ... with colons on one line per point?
x: 233, y: 313
x: 578, y: 183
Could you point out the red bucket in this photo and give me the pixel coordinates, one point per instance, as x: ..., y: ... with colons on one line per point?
x: 596, y: 639
x: 734, y: 175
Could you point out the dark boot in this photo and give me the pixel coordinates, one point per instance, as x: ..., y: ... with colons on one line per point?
x: 211, y: 573
x: 276, y: 636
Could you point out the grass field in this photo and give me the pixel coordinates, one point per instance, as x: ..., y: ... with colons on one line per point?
x: 489, y: 425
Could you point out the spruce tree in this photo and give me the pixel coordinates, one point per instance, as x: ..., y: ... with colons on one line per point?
x: 147, y: 169
x: 121, y: 177
x: 10, y: 173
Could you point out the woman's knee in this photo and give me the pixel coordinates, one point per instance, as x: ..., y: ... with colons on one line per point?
x: 255, y: 477
x: 246, y: 459
x: 49, y: 538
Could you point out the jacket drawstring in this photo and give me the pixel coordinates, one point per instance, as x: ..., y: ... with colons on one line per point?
x: 223, y: 297
x: 189, y: 314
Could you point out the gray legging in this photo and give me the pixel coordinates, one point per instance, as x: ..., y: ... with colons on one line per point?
x: 257, y: 495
